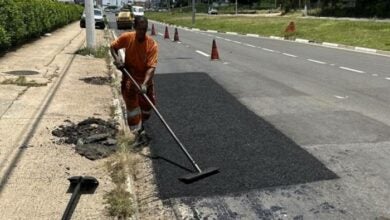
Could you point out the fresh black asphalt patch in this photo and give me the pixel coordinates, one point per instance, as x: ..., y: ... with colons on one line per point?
x: 219, y: 131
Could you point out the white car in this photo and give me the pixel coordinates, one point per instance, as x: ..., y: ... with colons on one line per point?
x: 99, y: 19
x: 137, y: 10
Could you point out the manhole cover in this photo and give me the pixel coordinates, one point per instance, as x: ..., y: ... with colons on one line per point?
x: 22, y: 72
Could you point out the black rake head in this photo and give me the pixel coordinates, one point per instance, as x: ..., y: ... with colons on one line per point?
x: 192, y: 177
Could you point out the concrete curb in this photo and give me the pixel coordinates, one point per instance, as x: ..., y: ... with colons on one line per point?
x: 120, y: 117
x: 299, y: 40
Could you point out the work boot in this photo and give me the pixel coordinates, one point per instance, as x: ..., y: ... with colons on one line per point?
x: 141, y: 139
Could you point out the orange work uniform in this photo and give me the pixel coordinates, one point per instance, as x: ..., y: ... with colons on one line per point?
x: 139, y: 57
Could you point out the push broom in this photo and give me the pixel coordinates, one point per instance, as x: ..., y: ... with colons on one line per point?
x: 191, y: 177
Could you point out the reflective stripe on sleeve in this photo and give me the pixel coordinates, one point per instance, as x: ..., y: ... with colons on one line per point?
x: 134, y: 112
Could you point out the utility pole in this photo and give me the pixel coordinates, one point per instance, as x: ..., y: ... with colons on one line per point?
x: 90, y: 24
x: 193, y: 12
x: 236, y: 8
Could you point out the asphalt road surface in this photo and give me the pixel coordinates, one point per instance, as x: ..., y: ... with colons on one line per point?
x: 299, y: 131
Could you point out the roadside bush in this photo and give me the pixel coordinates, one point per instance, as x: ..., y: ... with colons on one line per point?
x: 22, y: 20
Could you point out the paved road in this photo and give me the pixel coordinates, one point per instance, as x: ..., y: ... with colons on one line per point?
x: 331, y: 103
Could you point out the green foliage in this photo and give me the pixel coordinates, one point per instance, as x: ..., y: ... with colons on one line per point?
x: 22, y: 20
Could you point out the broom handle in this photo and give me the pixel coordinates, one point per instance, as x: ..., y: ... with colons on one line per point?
x: 165, y: 123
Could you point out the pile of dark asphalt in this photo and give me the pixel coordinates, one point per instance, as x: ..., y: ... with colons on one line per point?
x: 94, y: 138
x: 97, y: 80
x: 219, y: 131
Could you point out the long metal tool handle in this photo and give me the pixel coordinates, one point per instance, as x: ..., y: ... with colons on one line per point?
x: 72, y: 202
x: 165, y: 123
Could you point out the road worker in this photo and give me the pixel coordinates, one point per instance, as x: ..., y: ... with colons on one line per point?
x: 141, y: 53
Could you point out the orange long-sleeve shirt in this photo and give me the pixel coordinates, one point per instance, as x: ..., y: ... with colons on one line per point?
x: 139, y: 57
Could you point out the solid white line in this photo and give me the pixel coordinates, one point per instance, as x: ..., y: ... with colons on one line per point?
x: 290, y: 55
x: 203, y: 53
x: 350, y: 69
x: 316, y: 61
x: 268, y: 50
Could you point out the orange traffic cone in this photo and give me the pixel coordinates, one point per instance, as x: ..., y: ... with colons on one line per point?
x: 166, y: 35
x: 153, y: 32
x: 176, y: 37
x: 214, y: 51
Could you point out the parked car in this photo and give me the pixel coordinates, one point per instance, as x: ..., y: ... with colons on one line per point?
x: 137, y: 10
x: 212, y: 11
x: 125, y: 20
x: 111, y: 8
x: 99, y: 19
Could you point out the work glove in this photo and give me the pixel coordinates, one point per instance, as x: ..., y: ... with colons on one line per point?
x: 119, y: 64
x: 144, y: 88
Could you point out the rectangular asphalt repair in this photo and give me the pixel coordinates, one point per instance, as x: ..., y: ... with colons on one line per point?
x: 219, y: 131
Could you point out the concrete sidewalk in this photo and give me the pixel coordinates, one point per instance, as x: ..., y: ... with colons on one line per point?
x: 33, y: 167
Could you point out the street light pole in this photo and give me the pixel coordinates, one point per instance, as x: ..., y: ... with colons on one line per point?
x: 236, y: 8
x: 193, y: 12
x: 90, y: 24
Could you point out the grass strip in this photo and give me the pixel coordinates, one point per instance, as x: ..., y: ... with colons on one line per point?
x: 370, y: 34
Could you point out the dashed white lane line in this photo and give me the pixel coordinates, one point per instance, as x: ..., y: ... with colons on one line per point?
x: 202, y: 53
x: 388, y: 78
x: 237, y: 42
x: 227, y: 39
x: 290, y: 55
x: 218, y: 37
x: 316, y: 61
x: 350, y: 69
x: 250, y: 45
x: 341, y: 97
x: 266, y: 49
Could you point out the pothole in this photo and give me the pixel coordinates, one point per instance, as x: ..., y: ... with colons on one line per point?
x: 94, y: 138
x: 22, y: 72
x: 97, y: 80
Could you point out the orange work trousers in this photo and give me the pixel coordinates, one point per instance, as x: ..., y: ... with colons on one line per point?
x: 138, y: 109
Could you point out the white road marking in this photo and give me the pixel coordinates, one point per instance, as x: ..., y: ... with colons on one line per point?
x: 388, y: 78
x: 350, y: 69
x: 227, y: 39
x: 250, y: 45
x: 237, y: 42
x: 341, y: 97
x: 219, y: 37
x: 268, y: 50
x: 202, y: 53
x: 316, y: 61
x: 290, y: 55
